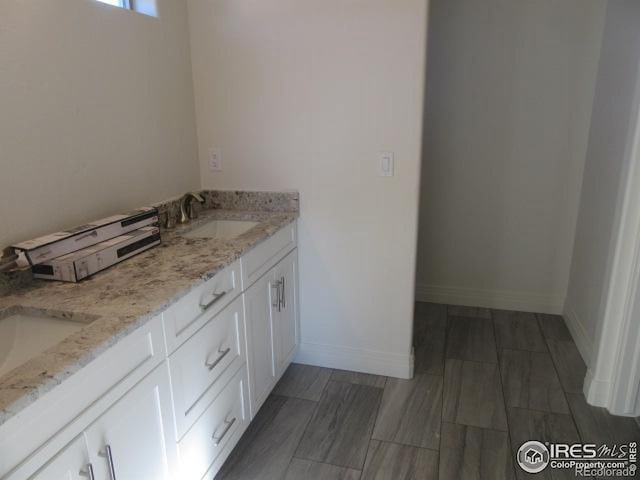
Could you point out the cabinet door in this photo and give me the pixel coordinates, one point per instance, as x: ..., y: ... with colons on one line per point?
x: 286, y: 311
x: 72, y: 463
x: 133, y: 439
x: 260, y: 335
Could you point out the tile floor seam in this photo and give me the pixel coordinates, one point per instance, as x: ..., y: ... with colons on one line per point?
x: 386, y: 378
x: 471, y: 361
x: 313, y: 414
x: 315, y: 409
x: 434, y: 375
x: 324, y: 463
x: 373, y: 428
x: 488, y: 429
x: 557, y: 376
x: 524, y: 350
x: 504, y: 402
x: 293, y: 396
x: 564, y: 392
x: 542, y: 411
x: 356, y: 384
x: 406, y: 444
x: 293, y: 455
x: 444, y: 366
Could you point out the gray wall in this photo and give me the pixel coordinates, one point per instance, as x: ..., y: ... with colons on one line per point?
x: 510, y: 87
x: 612, y: 130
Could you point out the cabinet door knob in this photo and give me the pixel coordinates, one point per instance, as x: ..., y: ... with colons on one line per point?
x: 284, y: 302
x: 214, y: 364
x: 229, y: 424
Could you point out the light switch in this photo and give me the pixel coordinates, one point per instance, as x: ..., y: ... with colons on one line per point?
x: 385, y: 164
x: 215, y: 159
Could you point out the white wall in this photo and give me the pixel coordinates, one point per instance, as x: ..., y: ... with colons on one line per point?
x: 592, y: 298
x: 96, y: 112
x: 301, y: 94
x: 509, y: 92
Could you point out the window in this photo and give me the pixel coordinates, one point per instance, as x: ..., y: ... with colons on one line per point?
x: 148, y: 7
x: 117, y: 3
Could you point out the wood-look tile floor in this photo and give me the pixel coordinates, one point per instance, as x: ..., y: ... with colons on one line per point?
x: 486, y: 381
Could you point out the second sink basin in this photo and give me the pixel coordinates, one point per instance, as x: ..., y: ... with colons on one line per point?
x: 23, y: 336
x: 222, y: 229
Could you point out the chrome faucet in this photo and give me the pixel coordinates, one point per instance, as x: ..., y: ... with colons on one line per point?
x: 186, y: 212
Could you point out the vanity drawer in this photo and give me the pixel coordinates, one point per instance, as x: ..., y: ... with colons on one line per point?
x: 196, y: 308
x: 258, y: 261
x: 203, y: 364
x: 205, y: 447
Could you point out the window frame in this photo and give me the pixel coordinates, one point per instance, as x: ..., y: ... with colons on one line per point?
x: 144, y: 7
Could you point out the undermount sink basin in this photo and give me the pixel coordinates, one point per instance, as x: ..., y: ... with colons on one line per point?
x: 24, y: 336
x: 222, y: 229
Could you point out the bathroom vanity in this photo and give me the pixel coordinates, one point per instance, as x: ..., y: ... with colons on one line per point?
x: 159, y: 363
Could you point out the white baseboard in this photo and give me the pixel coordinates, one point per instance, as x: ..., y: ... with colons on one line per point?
x: 579, y: 334
x: 503, y: 300
x: 596, y: 392
x: 356, y: 360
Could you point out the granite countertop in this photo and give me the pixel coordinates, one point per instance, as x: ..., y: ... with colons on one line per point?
x: 124, y: 297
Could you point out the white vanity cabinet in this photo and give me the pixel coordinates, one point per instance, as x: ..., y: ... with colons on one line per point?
x: 203, y: 365
x: 170, y: 400
x: 258, y: 301
x: 72, y: 463
x: 285, y: 311
x: 132, y: 440
x: 272, y: 332
x: 209, y: 442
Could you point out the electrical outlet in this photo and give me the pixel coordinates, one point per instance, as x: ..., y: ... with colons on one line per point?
x: 215, y: 159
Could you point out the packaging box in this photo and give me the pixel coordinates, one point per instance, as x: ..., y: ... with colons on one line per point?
x: 48, y: 247
x: 75, y: 266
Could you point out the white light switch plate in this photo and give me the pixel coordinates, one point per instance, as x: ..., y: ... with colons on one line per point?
x: 215, y: 159
x: 385, y: 164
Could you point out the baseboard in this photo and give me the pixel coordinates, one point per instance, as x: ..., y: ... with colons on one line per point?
x: 579, y: 334
x: 596, y: 392
x: 503, y: 300
x: 356, y: 360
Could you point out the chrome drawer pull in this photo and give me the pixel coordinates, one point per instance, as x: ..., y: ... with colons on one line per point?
x: 284, y: 302
x: 109, y: 456
x: 214, y: 364
x: 88, y: 472
x: 276, y: 299
x: 217, y: 440
x: 214, y: 300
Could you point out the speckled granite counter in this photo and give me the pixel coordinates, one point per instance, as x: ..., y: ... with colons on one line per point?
x: 126, y: 296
